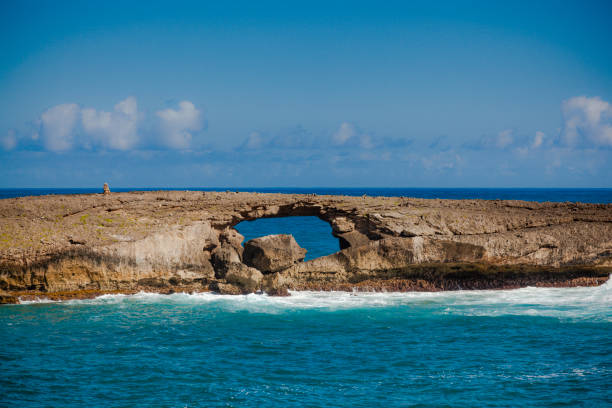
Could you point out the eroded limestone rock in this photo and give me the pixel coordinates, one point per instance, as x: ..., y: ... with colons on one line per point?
x: 70, y: 246
x: 273, y: 253
x: 246, y: 278
x: 232, y: 237
x: 226, y: 288
x: 6, y: 298
x: 223, y: 257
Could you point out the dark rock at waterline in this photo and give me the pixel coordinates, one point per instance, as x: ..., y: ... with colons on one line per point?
x: 222, y: 257
x: 6, y: 299
x: 246, y: 278
x: 225, y: 288
x: 278, y: 291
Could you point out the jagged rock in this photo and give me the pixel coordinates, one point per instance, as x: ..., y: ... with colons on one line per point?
x: 277, y: 284
x: 273, y: 253
x: 222, y: 257
x: 341, y: 225
x: 278, y: 291
x: 6, y: 299
x: 352, y: 239
x: 166, y: 240
x: 246, y: 278
x: 231, y: 237
x: 226, y: 289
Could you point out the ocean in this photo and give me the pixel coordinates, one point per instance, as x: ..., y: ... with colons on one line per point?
x: 585, y: 195
x: 530, y: 347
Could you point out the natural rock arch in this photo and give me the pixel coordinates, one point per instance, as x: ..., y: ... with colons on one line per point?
x: 74, y: 246
x: 350, y: 229
x: 311, y: 232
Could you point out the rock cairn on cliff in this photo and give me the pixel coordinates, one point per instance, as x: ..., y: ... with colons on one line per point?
x: 106, y: 189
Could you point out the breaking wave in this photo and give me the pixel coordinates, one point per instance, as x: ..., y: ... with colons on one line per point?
x: 591, y: 303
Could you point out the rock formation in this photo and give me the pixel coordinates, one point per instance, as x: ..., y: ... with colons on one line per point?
x: 85, y: 245
x: 246, y: 278
x: 273, y: 253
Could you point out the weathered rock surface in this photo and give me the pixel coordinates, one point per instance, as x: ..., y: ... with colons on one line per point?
x: 223, y: 257
x: 66, y: 246
x: 247, y: 278
x: 5, y: 298
x: 273, y: 253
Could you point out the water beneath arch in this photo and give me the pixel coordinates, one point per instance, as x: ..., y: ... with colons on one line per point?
x: 311, y: 233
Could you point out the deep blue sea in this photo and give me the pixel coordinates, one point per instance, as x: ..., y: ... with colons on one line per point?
x: 585, y: 195
x: 531, y: 347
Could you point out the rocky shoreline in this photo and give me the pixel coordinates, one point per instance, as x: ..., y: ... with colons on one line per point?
x: 78, y: 246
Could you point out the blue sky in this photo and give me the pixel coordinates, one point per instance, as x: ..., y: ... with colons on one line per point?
x: 252, y: 94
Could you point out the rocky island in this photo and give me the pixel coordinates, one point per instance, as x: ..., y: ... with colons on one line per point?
x: 78, y: 246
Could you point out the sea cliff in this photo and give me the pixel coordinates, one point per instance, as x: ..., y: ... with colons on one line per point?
x: 74, y: 246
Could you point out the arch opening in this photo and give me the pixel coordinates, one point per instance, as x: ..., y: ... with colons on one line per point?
x: 310, y: 232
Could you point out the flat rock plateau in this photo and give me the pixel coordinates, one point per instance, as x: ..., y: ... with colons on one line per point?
x: 79, y: 246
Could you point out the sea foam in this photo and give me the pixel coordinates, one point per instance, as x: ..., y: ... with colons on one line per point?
x: 591, y: 303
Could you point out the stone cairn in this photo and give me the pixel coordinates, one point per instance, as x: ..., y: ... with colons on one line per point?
x: 106, y: 189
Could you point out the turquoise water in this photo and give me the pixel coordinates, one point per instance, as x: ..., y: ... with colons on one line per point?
x: 528, y: 347
x: 531, y: 347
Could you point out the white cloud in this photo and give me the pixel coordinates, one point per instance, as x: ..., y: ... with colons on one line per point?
x: 115, y: 130
x: 344, y: 133
x: 538, y: 139
x: 58, y: 126
x: 504, y: 138
x: 69, y: 126
x: 9, y: 141
x: 348, y: 132
x: 441, y: 162
x: 176, y: 126
x: 587, y: 120
x: 253, y: 141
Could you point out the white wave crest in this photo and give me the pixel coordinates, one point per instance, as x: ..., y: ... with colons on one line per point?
x: 37, y: 300
x: 580, y: 303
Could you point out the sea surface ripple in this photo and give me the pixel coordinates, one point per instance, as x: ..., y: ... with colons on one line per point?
x: 526, y: 347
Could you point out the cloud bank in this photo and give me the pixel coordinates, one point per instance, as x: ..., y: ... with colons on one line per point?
x: 348, y: 134
x: 575, y: 154
x: 177, y: 125
x: 69, y: 126
x: 58, y: 127
x: 587, y: 121
x: 9, y: 141
x: 116, y: 130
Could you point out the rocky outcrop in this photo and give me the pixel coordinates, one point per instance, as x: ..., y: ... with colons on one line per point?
x: 223, y: 257
x: 273, y: 253
x: 85, y: 245
x: 6, y: 298
x: 417, y: 264
x: 244, y: 277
